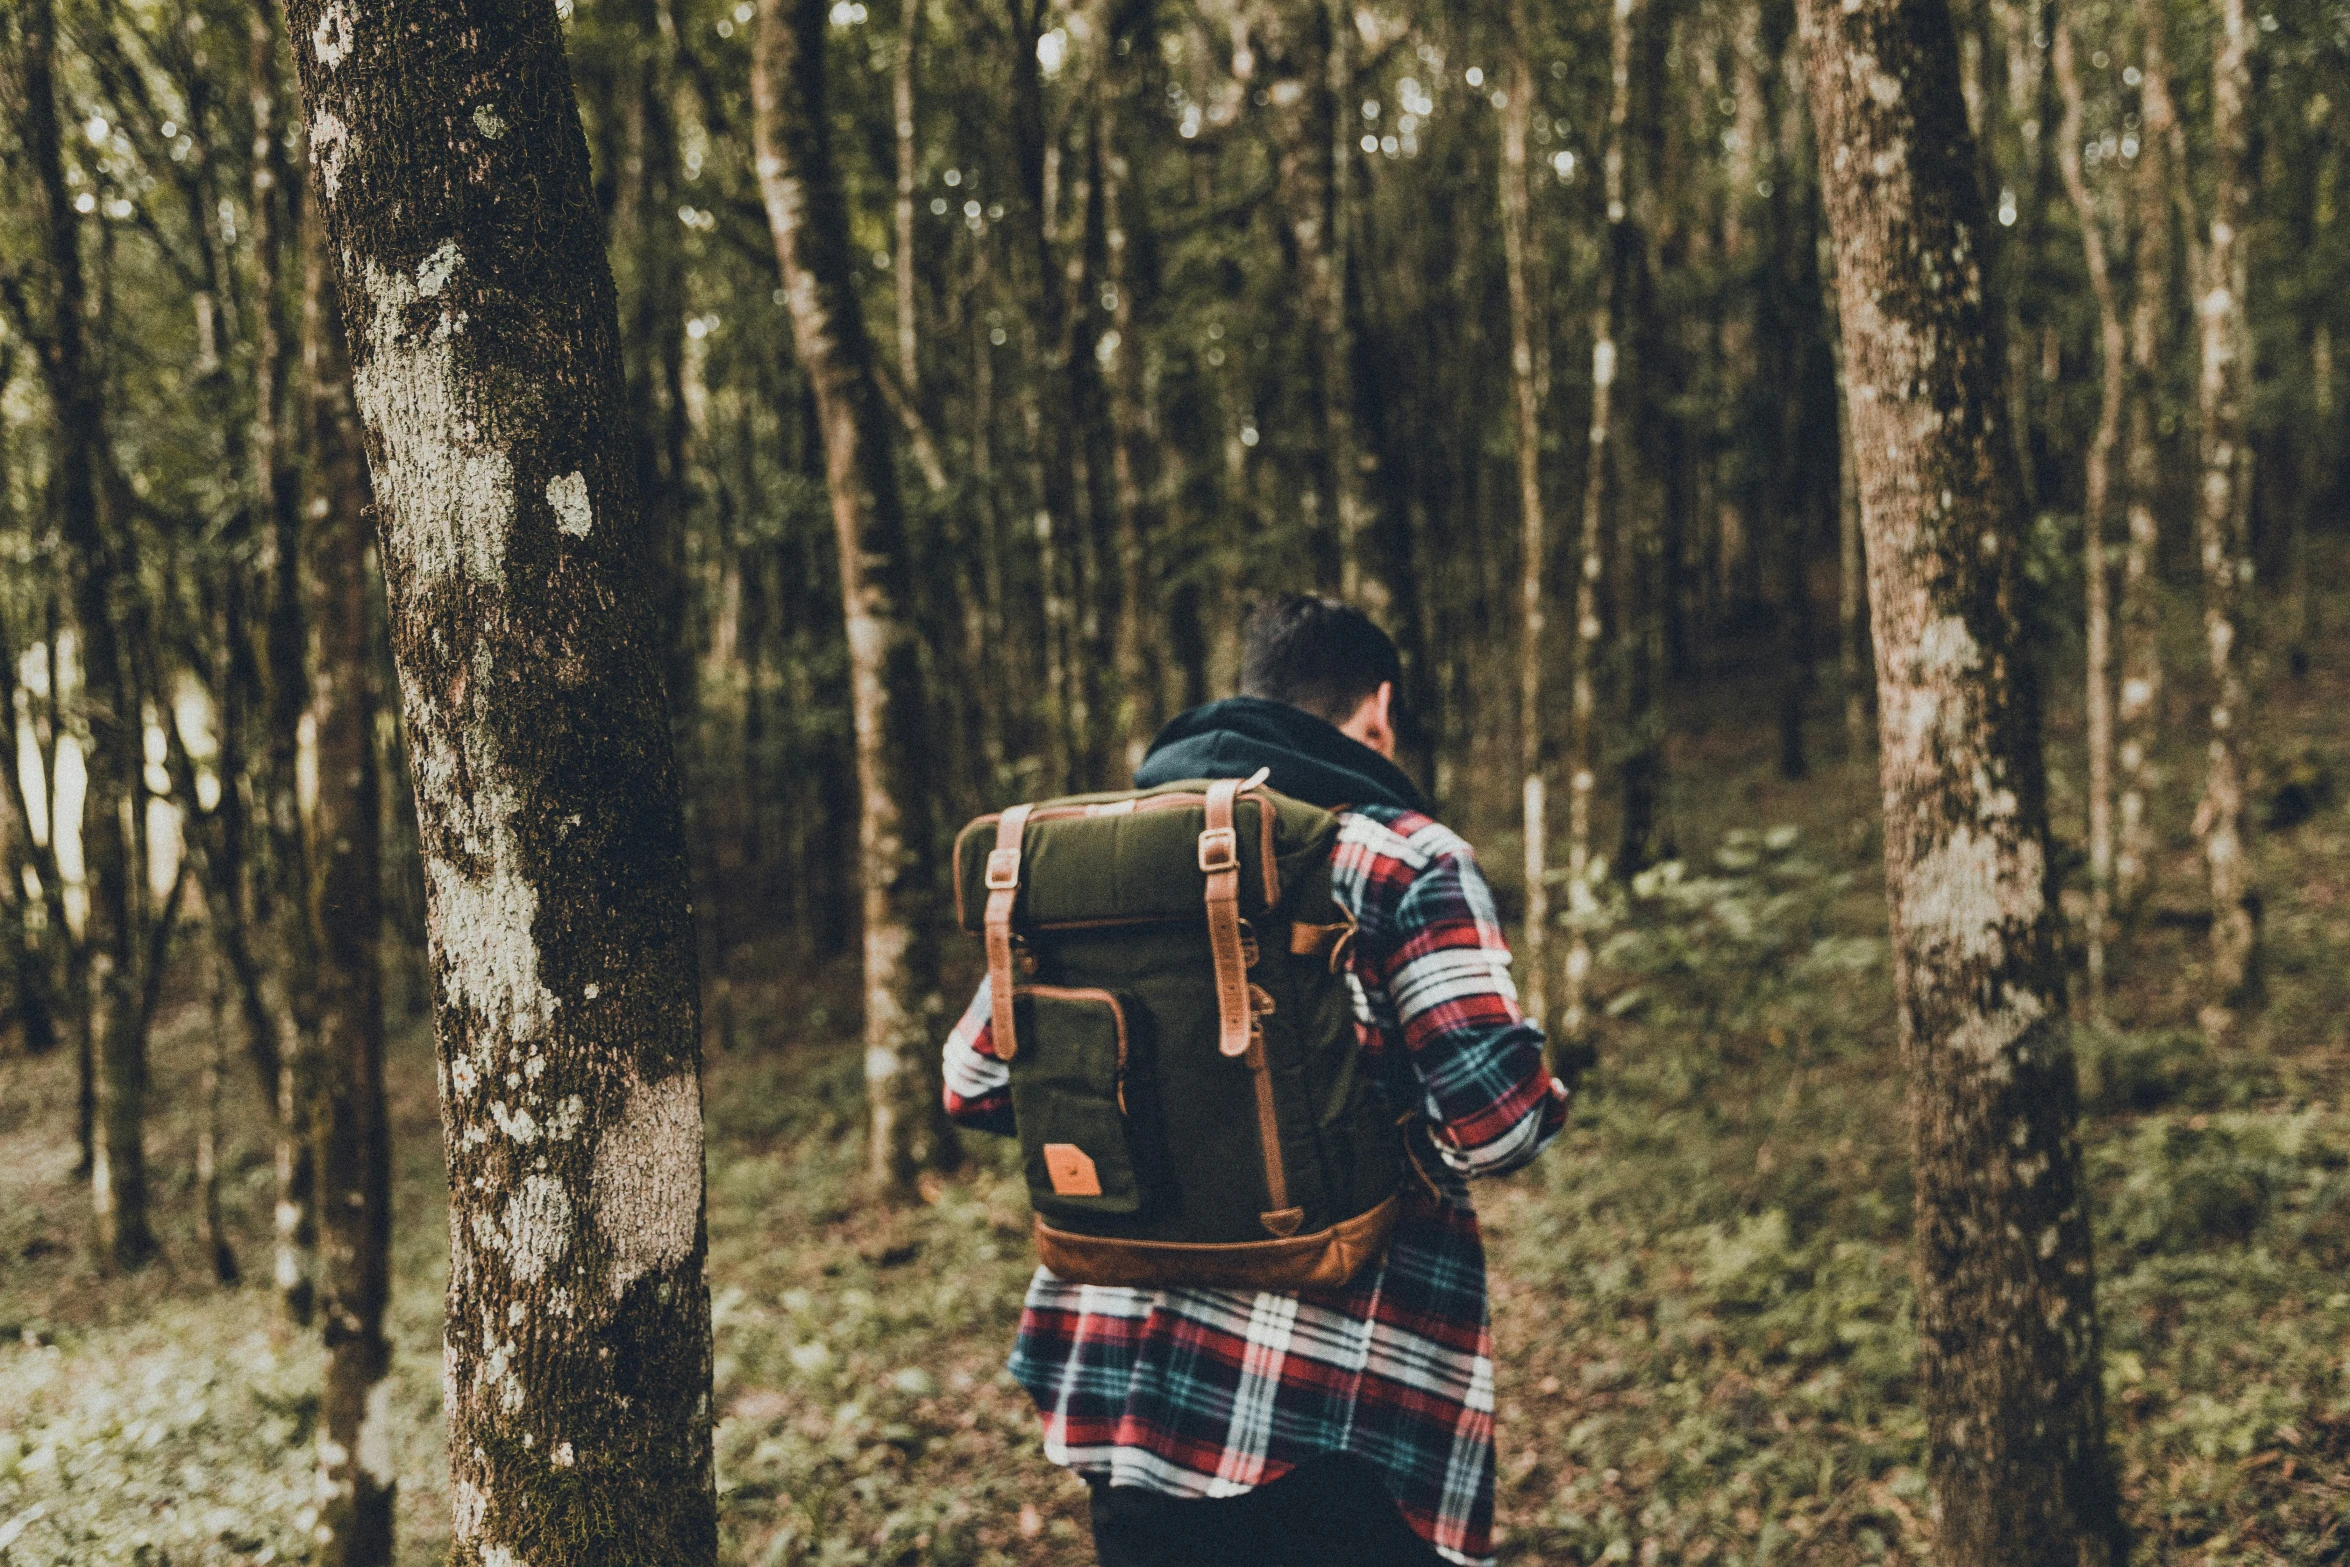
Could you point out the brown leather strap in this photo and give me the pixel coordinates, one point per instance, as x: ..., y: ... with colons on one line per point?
x: 1219, y: 857
x: 1003, y: 890
x: 1323, y: 941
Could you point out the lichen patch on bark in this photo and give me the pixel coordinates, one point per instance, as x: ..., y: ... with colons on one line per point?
x: 1963, y: 897
x: 648, y: 1177
x: 538, y: 1227
x: 443, y: 474
x: 330, y: 145
x: 331, y: 38
x: 568, y: 494
x: 374, y: 1448
x: 485, y: 938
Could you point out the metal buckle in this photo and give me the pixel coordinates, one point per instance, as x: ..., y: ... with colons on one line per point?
x: 1003, y: 870
x: 1219, y: 850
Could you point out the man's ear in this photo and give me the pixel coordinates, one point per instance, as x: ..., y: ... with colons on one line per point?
x: 1373, y: 722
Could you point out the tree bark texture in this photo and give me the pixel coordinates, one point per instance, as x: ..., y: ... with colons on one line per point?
x: 345, y: 908
x: 2009, y: 1356
x: 112, y: 940
x: 1526, y: 404
x: 452, y: 176
x: 897, y: 838
x: 1852, y: 622
x: 2096, y: 516
x: 2226, y: 461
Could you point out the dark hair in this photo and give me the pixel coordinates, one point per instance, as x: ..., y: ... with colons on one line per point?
x: 1316, y: 653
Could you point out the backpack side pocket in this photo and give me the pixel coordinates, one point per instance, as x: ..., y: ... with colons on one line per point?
x: 1068, y: 1101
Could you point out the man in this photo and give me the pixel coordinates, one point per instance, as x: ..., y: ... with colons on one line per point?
x: 1354, y: 1426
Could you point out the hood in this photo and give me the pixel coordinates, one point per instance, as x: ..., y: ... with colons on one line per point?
x: 1310, y: 760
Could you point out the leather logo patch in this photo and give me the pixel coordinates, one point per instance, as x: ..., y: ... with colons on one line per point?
x: 1072, y: 1173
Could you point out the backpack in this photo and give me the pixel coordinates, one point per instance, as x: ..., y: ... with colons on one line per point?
x: 1167, y: 970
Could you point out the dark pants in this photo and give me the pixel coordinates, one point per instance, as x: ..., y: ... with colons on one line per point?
x: 1330, y: 1511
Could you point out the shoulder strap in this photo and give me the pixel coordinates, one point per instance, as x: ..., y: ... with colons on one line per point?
x: 1219, y: 857
x: 1003, y: 890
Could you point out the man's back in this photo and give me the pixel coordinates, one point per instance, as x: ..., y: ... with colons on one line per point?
x: 1207, y: 1393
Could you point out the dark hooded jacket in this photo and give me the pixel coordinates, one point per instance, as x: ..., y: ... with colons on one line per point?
x: 1310, y: 760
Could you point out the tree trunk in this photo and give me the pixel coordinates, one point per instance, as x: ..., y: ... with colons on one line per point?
x: 1644, y: 447
x: 2096, y: 517
x: 345, y: 905
x: 1314, y: 129
x: 2226, y: 460
x: 36, y: 926
x: 2138, y: 713
x: 453, y: 179
x: 111, y: 936
x: 277, y: 502
x: 1141, y: 696
x: 2303, y: 631
x: 211, y: 1231
x: 909, y: 166
x: 1852, y: 624
x: 2009, y: 1356
x: 1361, y: 579
x: 1526, y: 403
x: 897, y: 839
x: 1599, y: 471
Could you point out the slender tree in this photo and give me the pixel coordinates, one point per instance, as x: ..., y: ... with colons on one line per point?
x: 897, y: 839
x: 1141, y: 696
x: 1600, y: 468
x: 2226, y: 462
x: 1852, y: 623
x: 2009, y: 1353
x: 276, y: 489
x: 1646, y: 436
x: 452, y: 176
x: 211, y: 1225
x: 1526, y: 403
x: 909, y: 168
x: 345, y: 910
x: 2096, y: 514
x: 114, y: 948
x: 2138, y: 712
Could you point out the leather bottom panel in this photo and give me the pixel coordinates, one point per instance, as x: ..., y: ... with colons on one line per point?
x: 1326, y: 1259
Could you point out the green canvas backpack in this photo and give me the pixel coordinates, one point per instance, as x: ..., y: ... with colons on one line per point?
x: 1167, y: 970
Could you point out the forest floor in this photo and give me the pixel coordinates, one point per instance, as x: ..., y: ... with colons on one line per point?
x: 1701, y: 1295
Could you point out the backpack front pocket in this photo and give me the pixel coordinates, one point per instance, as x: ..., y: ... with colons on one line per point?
x: 1068, y: 1100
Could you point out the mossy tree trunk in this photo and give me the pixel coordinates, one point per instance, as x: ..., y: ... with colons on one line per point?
x: 345, y: 909
x: 452, y: 177
x: 2009, y: 1353
x: 897, y: 837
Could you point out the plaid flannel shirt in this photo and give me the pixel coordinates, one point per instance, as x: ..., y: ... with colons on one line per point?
x: 1199, y: 1392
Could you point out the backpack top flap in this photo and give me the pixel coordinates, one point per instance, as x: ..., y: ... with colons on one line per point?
x: 1110, y: 858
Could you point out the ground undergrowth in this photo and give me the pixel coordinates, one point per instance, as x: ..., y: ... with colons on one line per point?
x: 1701, y: 1296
